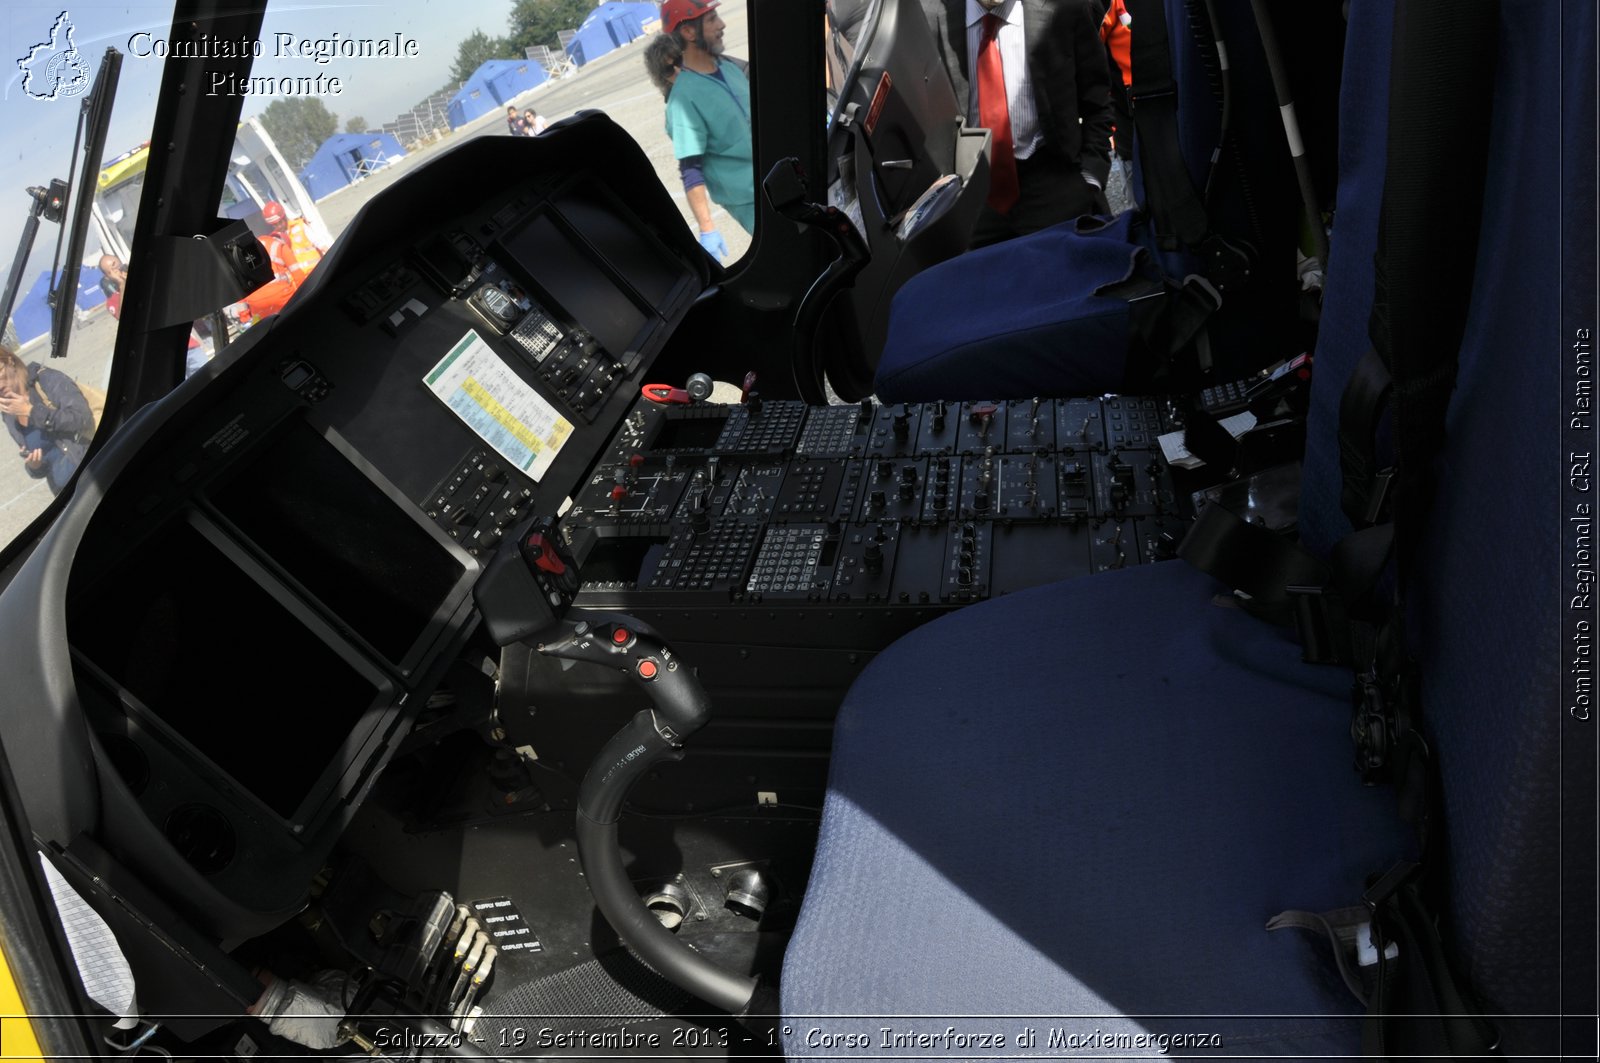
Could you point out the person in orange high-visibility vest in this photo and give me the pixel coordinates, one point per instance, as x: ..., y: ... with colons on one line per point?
x: 277, y: 241
x: 305, y: 251
x: 293, y: 255
x: 1116, y: 30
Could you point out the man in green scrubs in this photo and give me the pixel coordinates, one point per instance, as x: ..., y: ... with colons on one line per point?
x: 708, y: 119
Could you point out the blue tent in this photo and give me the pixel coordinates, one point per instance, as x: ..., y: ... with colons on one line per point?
x: 611, y: 26
x: 492, y: 86
x: 344, y: 157
x: 31, y: 315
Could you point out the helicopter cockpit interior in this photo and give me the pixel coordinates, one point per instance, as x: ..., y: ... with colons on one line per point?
x: 539, y: 639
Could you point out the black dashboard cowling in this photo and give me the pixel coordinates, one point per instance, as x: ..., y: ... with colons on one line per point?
x: 169, y: 595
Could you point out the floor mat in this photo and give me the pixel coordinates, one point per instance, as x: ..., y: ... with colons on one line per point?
x: 599, y: 994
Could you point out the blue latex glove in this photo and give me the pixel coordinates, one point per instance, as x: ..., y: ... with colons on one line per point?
x: 714, y: 244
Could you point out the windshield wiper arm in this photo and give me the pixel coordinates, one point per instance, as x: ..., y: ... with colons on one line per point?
x: 94, y: 120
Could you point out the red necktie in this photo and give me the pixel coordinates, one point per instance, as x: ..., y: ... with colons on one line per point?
x: 996, y: 117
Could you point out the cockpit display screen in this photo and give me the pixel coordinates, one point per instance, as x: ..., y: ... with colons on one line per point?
x: 610, y: 275
x: 223, y: 664
x: 334, y: 531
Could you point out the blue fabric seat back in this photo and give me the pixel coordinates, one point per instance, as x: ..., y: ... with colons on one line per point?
x: 1487, y: 616
x: 1016, y: 319
x: 1484, y: 617
x: 944, y: 780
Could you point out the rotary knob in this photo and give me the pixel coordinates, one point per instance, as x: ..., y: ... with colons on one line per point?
x: 699, y: 387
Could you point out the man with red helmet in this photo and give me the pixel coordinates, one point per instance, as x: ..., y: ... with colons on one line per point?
x: 279, y: 247
x: 708, y: 119
x: 293, y: 255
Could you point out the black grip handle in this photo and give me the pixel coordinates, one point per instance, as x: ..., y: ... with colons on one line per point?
x: 632, y: 751
x: 680, y: 707
x: 680, y: 702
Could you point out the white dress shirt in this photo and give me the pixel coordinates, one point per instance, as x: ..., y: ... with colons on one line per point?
x: 1025, y: 135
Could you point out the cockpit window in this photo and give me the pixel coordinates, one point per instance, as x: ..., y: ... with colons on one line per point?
x: 340, y: 102
x: 52, y: 399
x: 343, y: 101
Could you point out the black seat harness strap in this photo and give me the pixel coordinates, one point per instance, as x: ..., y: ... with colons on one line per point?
x: 1260, y: 564
x: 1364, y: 478
x: 1175, y: 206
x: 1441, y: 96
x: 1441, y: 79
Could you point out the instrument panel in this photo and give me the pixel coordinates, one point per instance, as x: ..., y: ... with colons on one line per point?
x: 927, y: 505
x: 267, y: 571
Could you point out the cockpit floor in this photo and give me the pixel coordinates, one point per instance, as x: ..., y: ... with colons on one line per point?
x: 564, y: 984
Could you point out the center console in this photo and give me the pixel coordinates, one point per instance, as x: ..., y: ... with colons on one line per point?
x: 780, y: 546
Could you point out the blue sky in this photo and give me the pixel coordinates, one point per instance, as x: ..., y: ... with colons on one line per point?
x: 36, y: 136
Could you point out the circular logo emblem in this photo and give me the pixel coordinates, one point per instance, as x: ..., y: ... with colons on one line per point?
x: 66, y: 73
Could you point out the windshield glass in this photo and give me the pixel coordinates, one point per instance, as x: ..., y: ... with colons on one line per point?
x: 342, y: 101
x: 53, y: 62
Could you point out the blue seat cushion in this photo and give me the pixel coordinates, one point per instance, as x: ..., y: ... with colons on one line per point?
x: 1087, y: 799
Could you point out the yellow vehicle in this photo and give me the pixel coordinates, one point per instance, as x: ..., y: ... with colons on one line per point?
x: 257, y: 174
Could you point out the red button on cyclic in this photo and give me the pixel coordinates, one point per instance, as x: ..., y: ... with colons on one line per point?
x: 621, y: 635
x: 646, y: 669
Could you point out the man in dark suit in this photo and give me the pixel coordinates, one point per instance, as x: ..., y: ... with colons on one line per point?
x: 1051, y: 149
